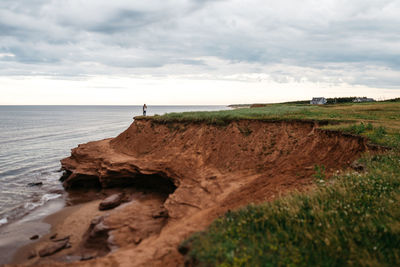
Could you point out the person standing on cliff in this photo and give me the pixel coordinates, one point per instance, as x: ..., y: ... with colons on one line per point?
x: 144, y: 109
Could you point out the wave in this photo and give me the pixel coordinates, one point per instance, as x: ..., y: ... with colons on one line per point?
x: 46, y: 197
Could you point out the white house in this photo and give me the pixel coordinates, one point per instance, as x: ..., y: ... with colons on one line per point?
x: 318, y: 101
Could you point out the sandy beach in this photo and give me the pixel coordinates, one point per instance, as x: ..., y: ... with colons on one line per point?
x: 70, y: 222
x: 18, y: 233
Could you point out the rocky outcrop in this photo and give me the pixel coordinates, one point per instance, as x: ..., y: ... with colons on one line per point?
x: 97, y: 235
x: 200, y: 171
x: 111, y: 202
x: 54, y: 247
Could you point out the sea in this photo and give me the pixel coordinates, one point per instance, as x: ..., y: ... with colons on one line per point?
x: 33, y: 140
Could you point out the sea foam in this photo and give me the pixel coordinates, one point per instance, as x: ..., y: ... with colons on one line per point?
x: 46, y: 197
x: 3, y: 221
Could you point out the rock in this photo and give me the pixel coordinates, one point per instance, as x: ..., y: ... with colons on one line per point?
x: 111, y: 202
x: 35, y: 184
x: 34, y: 237
x: 96, y: 220
x: 53, y: 248
x: 357, y: 166
x: 96, y: 237
x: 99, y: 229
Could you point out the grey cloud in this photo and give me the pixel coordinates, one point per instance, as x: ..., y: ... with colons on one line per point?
x: 118, y: 37
x: 122, y: 21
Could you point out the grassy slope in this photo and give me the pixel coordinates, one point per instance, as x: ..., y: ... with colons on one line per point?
x: 352, y: 219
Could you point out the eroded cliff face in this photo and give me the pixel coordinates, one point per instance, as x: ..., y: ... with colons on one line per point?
x: 203, y: 171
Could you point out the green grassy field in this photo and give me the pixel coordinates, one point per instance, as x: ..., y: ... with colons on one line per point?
x: 379, y: 121
x: 347, y: 220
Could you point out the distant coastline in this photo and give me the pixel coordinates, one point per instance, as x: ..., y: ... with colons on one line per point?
x: 235, y: 106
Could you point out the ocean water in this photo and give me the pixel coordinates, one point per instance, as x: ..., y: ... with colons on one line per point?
x: 33, y: 140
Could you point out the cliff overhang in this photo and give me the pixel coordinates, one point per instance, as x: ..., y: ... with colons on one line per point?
x: 203, y: 170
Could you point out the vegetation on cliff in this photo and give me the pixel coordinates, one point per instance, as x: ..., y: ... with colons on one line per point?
x: 349, y: 219
x: 352, y: 219
x: 379, y: 121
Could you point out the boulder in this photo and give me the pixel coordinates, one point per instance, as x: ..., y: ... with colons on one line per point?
x: 111, y: 202
x: 96, y: 237
x: 53, y: 248
x: 34, y: 237
x: 99, y: 230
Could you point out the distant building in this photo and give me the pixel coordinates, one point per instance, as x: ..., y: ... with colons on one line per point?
x: 318, y: 101
x: 363, y: 99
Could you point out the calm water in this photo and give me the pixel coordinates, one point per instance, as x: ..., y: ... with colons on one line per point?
x: 33, y: 140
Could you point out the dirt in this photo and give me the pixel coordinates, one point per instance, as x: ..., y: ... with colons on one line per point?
x: 195, y: 173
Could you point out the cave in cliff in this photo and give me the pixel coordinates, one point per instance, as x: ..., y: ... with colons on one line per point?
x: 156, y: 182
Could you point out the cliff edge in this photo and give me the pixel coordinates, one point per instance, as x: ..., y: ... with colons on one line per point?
x: 200, y: 171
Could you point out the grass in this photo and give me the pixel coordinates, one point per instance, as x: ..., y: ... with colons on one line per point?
x: 367, y: 119
x: 352, y: 219
x: 226, y: 116
x: 348, y: 220
x: 353, y: 112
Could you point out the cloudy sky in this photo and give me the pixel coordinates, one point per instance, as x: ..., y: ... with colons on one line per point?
x: 197, y: 51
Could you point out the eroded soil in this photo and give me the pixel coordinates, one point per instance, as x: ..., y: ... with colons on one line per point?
x: 196, y: 172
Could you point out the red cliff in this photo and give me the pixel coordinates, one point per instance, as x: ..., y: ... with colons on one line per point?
x: 201, y: 171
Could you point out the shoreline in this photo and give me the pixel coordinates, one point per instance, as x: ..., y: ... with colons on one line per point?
x: 17, y: 234
x: 16, y: 244
x: 70, y: 221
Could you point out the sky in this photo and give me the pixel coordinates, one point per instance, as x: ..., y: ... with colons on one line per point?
x: 128, y: 52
